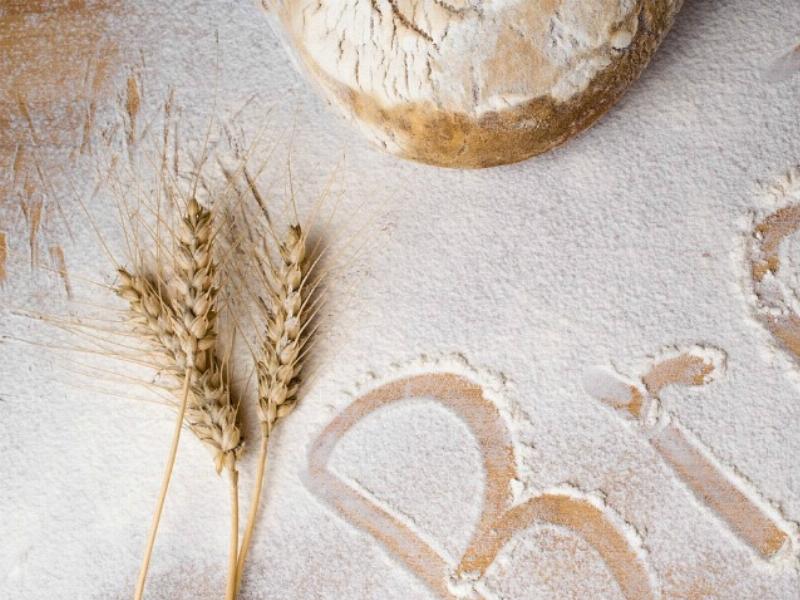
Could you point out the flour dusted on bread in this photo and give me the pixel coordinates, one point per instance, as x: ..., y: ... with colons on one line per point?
x: 472, y: 83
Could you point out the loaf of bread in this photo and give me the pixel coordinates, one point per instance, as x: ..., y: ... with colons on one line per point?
x: 473, y: 83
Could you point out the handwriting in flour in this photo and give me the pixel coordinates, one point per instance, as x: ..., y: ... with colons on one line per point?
x: 774, y: 304
x: 640, y: 402
x: 500, y: 520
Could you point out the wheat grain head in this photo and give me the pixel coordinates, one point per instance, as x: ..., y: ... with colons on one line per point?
x: 180, y: 322
x: 278, y: 366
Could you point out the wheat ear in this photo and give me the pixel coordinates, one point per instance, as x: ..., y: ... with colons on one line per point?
x: 278, y: 366
x: 181, y: 324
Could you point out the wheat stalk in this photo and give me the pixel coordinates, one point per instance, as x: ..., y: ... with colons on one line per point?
x: 278, y: 365
x: 180, y: 322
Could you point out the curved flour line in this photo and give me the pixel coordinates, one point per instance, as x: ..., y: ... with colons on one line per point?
x: 580, y: 517
x: 499, y: 521
x: 764, y: 256
x: 467, y: 401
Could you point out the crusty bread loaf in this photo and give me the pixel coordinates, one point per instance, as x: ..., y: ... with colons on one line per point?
x: 471, y: 83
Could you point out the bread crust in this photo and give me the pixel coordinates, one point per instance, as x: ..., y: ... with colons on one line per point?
x: 437, y: 135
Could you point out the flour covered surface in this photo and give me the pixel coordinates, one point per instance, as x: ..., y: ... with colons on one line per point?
x: 571, y: 377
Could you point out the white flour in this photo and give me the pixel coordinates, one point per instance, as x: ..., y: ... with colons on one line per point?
x: 633, y: 237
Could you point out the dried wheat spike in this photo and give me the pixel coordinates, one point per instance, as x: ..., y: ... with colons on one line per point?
x: 278, y: 366
x: 181, y: 323
x: 194, y: 294
x: 150, y: 316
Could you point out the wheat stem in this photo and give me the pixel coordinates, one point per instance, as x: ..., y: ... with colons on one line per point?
x: 254, y: 502
x: 230, y: 592
x: 151, y: 537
